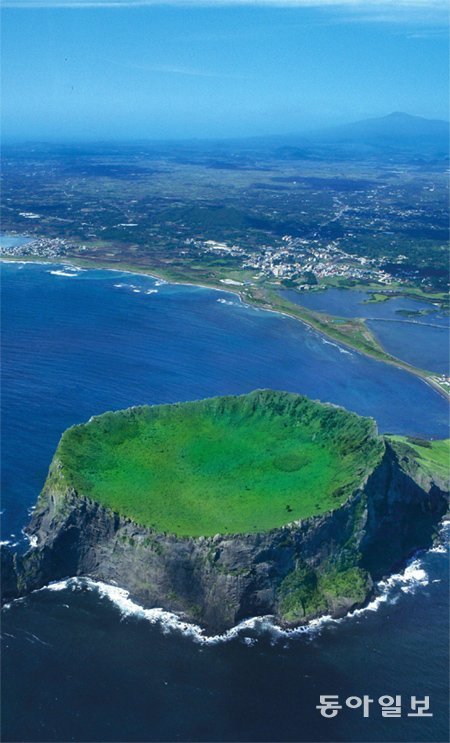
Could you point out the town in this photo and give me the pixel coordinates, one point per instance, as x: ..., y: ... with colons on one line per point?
x: 302, y: 262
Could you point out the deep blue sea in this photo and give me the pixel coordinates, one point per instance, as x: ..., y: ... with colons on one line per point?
x: 80, y: 661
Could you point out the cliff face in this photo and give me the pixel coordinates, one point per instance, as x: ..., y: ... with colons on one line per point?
x: 323, y: 564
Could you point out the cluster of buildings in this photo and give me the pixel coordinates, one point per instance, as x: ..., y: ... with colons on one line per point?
x: 42, y: 247
x: 443, y: 381
x: 292, y: 259
x: 298, y: 256
x: 216, y: 248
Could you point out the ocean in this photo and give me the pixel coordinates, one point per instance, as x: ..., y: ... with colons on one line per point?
x: 81, y: 662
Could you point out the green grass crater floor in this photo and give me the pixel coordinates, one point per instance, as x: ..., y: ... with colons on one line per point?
x: 223, y: 465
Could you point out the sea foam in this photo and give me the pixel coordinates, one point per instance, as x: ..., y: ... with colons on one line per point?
x: 70, y: 275
x: 339, y: 348
x: 387, y: 592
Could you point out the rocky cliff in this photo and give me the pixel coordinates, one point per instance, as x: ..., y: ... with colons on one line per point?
x: 323, y: 564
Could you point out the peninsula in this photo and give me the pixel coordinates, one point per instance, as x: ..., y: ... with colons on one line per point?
x: 226, y: 508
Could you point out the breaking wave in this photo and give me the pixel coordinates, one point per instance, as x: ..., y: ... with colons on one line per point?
x: 69, y: 274
x: 387, y: 592
x: 336, y: 345
x: 135, y: 288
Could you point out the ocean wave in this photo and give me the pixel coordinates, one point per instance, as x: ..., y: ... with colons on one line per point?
x: 440, y: 549
x: 21, y: 264
x: 442, y: 545
x: 170, y: 622
x: 133, y: 287
x: 58, y: 272
x: 226, y: 301
x: 387, y: 591
x: 339, y: 348
x: 33, y: 639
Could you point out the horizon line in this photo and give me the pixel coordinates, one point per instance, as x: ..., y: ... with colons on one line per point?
x: 356, y: 5
x: 310, y: 131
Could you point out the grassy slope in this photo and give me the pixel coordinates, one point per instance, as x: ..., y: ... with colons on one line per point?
x: 433, y: 456
x: 225, y: 465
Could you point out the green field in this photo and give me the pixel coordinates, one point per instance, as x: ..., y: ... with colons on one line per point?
x: 433, y: 456
x: 377, y: 298
x: 224, y: 465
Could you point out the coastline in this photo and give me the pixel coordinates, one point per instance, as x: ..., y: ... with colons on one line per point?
x: 425, y: 376
x: 411, y: 577
x: 114, y: 544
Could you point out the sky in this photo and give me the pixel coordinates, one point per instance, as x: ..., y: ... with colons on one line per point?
x: 139, y: 69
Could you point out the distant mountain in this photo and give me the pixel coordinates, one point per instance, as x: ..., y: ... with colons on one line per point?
x: 397, y: 130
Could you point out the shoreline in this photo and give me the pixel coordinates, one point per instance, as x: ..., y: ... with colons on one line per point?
x: 99, y: 265
x: 412, y: 573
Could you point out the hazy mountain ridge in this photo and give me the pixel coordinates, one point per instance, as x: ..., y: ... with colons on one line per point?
x: 397, y: 128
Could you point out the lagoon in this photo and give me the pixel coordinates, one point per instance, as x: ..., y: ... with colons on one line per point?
x: 421, y: 340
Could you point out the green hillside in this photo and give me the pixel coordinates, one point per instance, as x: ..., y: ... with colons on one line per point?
x: 432, y: 456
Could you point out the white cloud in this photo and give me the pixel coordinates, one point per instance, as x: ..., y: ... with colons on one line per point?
x: 358, y: 5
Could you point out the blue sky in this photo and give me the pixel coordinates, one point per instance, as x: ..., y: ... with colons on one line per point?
x: 119, y: 69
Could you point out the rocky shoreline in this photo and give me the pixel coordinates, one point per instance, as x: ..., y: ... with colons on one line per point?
x: 321, y: 565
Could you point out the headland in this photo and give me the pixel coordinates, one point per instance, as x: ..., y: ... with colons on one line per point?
x: 227, y: 508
